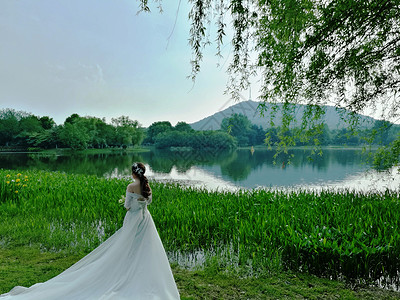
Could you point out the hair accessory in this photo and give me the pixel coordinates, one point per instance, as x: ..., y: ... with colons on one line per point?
x: 136, y: 169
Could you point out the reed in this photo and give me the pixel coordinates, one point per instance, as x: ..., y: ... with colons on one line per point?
x: 334, y: 234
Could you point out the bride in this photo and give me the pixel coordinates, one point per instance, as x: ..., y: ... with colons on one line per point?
x: 131, y: 264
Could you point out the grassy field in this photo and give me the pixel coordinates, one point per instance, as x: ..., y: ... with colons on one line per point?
x: 28, y: 265
x: 265, y: 243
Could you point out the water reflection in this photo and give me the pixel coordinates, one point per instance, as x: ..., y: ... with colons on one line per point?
x: 260, y: 169
x: 240, y: 168
x: 95, y: 164
x: 163, y: 161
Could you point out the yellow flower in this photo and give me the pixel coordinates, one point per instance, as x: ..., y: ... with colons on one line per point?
x: 19, y: 174
x: 16, y: 192
x: 24, y: 185
x: 26, y: 176
x: 18, y: 180
x: 26, y: 180
x: 7, y: 182
x: 8, y: 175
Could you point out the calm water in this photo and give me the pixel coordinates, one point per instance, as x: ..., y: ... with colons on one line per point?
x: 223, y: 170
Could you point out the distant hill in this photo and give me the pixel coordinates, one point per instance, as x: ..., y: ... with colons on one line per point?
x: 249, y: 108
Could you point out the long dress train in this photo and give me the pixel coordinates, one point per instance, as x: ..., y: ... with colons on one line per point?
x: 131, y: 264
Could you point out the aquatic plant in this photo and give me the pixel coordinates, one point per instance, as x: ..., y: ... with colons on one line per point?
x: 334, y: 234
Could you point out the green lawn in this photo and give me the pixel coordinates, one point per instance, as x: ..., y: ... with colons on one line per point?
x: 25, y: 266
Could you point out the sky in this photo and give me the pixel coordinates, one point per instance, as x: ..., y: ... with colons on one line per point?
x: 100, y: 58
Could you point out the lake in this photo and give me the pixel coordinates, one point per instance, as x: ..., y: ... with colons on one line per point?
x: 336, y: 168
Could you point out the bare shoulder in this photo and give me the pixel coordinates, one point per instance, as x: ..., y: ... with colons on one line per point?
x: 133, y: 187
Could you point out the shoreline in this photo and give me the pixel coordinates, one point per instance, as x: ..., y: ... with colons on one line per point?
x: 149, y: 148
x: 67, y: 151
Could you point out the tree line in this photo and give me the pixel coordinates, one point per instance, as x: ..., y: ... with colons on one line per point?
x: 19, y: 129
x: 248, y: 134
x: 163, y: 135
x: 23, y: 130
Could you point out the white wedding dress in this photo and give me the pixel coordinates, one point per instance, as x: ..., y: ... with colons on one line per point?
x: 131, y: 264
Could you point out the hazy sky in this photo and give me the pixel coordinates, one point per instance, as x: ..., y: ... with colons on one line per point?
x: 99, y: 58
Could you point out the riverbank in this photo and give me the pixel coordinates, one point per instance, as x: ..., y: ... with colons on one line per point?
x: 142, y: 148
x: 68, y: 151
x: 136, y: 149
x: 25, y: 266
x: 328, y: 147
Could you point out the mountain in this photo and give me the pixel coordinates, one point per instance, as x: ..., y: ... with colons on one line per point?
x: 250, y: 109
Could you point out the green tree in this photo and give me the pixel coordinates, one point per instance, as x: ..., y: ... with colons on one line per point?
x: 171, y: 139
x: 257, y: 135
x: 239, y: 126
x: 128, y: 132
x: 78, y: 132
x: 47, y: 122
x: 387, y: 156
x: 29, y: 126
x: 72, y: 118
x: 9, y: 126
x: 197, y: 140
x: 155, y: 129
x: 74, y: 136
x: 345, y: 137
x: 381, y: 131
x: 183, y: 126
x: 19, y: 128
x: 308, y: 50
x: 45, y: 139
x: 30, y: 123
x: 344, y: 52
x: 105, y: 134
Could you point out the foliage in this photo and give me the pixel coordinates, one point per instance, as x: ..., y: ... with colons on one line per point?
x: 329, y: 233
x: 338, y: 52
x: 9, y: 119
x: 155, y: 129
x: 163, y: 135
x: 388, y: 156
x: 348, y: 49
x: 239, y: 126
x: 127, y: 131
x: 245, y: 133
x: 195, y: 140
x: 183, y: 126
x: 13, y: 186
x: 47, y: 122
x: 25, y: 130
x: 309, y: 50
x: 74, y: 136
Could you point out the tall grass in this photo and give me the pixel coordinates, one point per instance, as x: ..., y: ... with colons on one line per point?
x: 332, y: 234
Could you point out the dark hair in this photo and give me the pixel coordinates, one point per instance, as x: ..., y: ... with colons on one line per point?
x: 139, y: 169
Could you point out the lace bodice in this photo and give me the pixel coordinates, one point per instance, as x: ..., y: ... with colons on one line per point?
x: 134, y: 201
